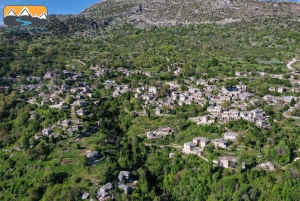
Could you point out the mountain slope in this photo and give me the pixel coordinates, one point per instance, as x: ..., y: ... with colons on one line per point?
x: 144, y: 13
x: 171, y: 12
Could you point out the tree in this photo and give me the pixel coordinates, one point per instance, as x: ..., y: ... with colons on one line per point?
x: 226, y: 104
x: 214, y: 62
x: 293, y: 102
x: 148, y: 113
x: 84, y: 161
x: 25, y: 142
x: 165, y: 90
x: 35, y: 193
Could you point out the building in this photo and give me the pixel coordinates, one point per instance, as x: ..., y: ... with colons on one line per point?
x: 266, y: 165
x: 81, y: 112
x: 272, y: 89
x: 92, y: 156
x: 2, y: 89
x: 261, y: 123
x: 257, y: 113
x: 124, y: 176
x: 216, y: 110
x: 152, y: 89
x: 171, y: 155
x: 201, y: 141
x: 127, y: 189
x: 227, y: 162
x: 102, y: 193
x: 46, y: 131
x: 158, y: 111
x: 288, y: 99
x: 220, y: 142
x: 73, y: 129
x: 211, y: 87
x: 188, y: 146
x: 159, y: 133
x: 281, y: 89
x: 230, y: 136
x: 66, y: 123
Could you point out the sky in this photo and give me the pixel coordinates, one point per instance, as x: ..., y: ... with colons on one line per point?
x: 53, y: 6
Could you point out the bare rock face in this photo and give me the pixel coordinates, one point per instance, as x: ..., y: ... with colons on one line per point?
x: 170, y: 12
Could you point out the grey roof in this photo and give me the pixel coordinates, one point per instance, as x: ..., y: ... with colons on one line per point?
x: 202, y: 139
x: 190, y: 144
x: 123, y: 174
x: 92, y: 154
x: 106, y: 187
x: 220, y: 140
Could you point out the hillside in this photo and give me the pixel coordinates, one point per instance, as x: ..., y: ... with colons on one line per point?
x: 165, y: 13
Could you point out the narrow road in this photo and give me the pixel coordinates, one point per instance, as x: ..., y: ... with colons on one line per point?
x: 81, y: 62
x: 287, y: 116
x: 290, y: 63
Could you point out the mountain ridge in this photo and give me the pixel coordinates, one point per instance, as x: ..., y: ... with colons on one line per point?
x: 171, y: 12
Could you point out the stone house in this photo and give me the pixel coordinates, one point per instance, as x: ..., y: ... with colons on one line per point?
x: 124, y: 176
x: 81, y: 112
x: 272, y: 89
x: 188, y: 146
x: 230, y: 136
x: 46, y: 131
x: 220, y: 142
x: 266, y: 165
x: 152, y: 89
x: 281, y: 89
x: 92, y: 156
x: 257, y: 113
x: 201, y: 141
x: 261, y: 123
x: 66, y: 123
x: 227, y: 162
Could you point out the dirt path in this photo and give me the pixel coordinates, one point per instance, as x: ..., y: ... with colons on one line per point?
x: 287, y: 116
x: 290, y: 63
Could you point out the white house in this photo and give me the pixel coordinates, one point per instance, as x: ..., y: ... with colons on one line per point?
x: 152, y: 89
x: 257, y: 113
x: 281, y: 89
x: 188, y: 146
x: 289, y: 98
x: 230, y: 136
x: 261, y: 123
x: 266, y: 165
x: 272, y: 89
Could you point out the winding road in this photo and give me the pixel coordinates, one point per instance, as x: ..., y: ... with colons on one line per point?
x: 290, y: 63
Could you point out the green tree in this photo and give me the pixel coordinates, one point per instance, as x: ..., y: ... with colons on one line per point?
x: 214, y: 62
x: 293, y: 102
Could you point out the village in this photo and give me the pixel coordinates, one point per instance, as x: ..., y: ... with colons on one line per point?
x: 223, y: 104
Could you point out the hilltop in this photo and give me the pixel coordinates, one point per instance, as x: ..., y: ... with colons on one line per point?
x: 167, y: 13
